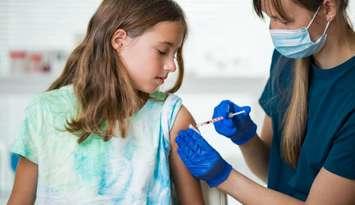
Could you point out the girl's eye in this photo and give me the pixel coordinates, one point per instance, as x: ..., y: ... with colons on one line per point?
x: 162, y: 52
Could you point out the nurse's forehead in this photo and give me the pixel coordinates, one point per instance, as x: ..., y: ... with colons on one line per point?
x: 275, y: 8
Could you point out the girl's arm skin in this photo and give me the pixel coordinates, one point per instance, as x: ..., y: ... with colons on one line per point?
x: 256, y: 151
x: 24, y: 189
x: 187, y: 187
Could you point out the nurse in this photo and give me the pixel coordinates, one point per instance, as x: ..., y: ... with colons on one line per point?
x: 306, y: 149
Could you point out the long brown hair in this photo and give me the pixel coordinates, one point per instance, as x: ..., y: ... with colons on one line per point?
x: 295, y: 118
x: 103, y: 89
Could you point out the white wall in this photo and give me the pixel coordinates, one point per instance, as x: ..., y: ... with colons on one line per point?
x: 212, y: 48
x: 226, y: 39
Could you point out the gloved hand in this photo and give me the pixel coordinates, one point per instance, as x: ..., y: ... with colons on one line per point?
x: 201, y: 159
x: 240, y: 129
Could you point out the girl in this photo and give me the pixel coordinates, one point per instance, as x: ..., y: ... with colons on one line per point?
x: 101, y: 134
x: 306, y: 150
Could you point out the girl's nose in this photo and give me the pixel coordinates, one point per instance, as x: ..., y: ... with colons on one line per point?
x: 170, y: 66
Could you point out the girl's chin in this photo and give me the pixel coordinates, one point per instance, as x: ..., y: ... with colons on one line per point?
x: 149, y: 90
x: 152, y: 86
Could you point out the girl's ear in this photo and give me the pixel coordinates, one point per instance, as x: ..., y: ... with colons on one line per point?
x: 119, y: 38
x: 331, y: 8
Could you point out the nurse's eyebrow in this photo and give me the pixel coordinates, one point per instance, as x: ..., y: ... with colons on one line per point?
x: 279, y: 17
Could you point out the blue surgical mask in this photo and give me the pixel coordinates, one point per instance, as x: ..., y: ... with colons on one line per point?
x: 297, y: 43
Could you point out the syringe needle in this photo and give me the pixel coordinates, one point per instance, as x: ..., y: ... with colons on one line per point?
x: 230, y: 115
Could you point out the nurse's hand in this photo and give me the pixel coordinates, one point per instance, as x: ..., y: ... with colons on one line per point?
x: 240, y: 129
x: 201, y: 159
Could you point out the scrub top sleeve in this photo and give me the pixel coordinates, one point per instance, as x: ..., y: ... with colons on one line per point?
x: 267, y: 94
x: 341, y: 158
x: 264, y: 100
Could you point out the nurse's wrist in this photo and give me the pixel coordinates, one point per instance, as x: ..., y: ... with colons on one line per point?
x: 221, y: 175
x: 229, y: 184
x: 241, y: 139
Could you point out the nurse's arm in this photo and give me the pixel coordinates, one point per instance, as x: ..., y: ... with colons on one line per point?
x: 187, y: 187
x: 24, y: 189
x: 327, y: 189
x: 256, y: 151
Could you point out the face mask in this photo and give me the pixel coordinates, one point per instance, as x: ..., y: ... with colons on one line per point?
x: 297, y: 43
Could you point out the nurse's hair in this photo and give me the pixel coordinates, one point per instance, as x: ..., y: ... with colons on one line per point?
x: 295, y: 118
x: 105, y: 95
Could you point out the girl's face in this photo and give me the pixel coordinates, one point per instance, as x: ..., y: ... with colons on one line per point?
x: 298, y: 17
x: 150, y: 57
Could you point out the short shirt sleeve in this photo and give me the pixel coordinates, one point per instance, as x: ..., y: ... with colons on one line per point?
x: 341, y: 158
x: 171, y: 108
x: 26, y: 143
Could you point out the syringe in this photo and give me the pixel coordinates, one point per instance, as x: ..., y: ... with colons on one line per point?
x: 230, y: 115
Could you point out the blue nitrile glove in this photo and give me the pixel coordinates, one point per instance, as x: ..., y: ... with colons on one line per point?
x: 201, y: 159
x: 240, y: 129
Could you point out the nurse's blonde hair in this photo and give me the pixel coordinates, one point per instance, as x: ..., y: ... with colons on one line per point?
x: 295, y: 118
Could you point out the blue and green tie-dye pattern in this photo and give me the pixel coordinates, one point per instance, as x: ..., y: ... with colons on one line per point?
x: 131, y: 170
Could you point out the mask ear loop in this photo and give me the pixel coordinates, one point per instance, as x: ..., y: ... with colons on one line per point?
x: 314, y: 16
x: 326, y: 28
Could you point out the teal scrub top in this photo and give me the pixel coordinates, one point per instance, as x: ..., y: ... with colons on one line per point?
x: 329, y: 140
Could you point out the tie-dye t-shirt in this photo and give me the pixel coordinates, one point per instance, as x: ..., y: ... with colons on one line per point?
x: 131, y: 170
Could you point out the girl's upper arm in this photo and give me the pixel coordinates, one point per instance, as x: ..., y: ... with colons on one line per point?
x: 188, y: 188
x: 25, y: 185
x: 331, y: 189
x: 266, y: 131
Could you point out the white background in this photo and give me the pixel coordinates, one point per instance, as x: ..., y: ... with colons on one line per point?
x: 227, y: 55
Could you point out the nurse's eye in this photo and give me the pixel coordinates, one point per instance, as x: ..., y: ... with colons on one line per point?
x: 284, y: 22
x: 280, y: 20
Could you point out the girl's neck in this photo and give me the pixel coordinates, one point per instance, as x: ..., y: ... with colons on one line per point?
x: 142, y: 97
x: 340, y: 47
